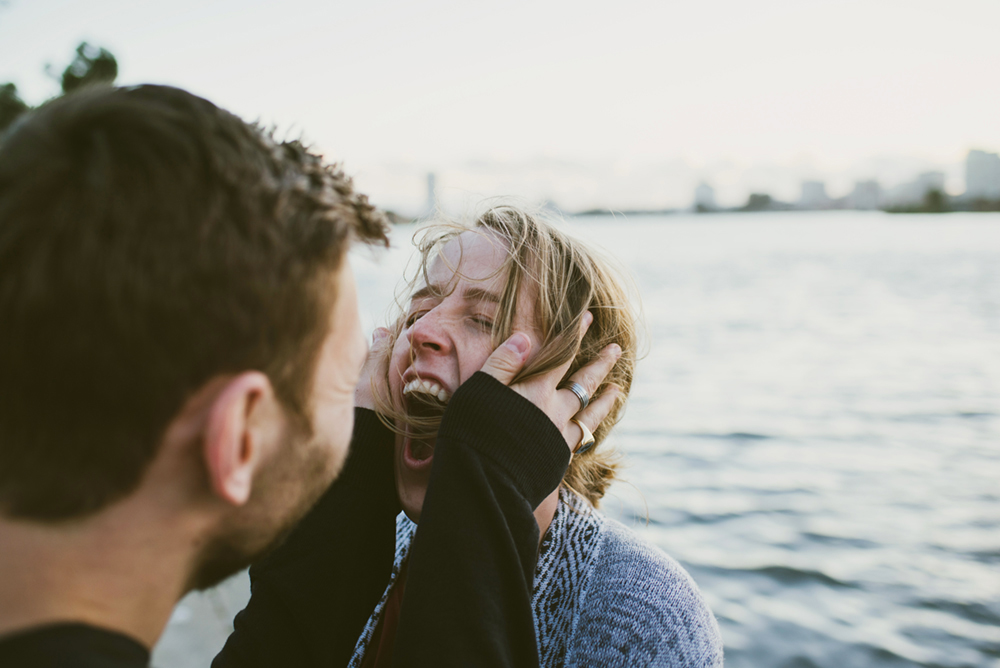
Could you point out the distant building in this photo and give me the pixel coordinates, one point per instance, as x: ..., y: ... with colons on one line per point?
x: 982, y: 175
x: 704, y: 198
x: 814, y: 195
x: 866, y: 195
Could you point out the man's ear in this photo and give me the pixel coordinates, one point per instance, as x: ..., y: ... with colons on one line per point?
x: 232, y: 447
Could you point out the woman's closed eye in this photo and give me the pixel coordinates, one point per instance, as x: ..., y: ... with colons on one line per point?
x: 413, y: 317
x: 483, y: 321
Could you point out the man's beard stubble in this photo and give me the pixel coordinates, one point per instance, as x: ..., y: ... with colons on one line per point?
x: 259, y: 527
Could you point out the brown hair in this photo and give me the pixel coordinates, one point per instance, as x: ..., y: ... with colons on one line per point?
x: 570, y: 279
x: 148, y: 242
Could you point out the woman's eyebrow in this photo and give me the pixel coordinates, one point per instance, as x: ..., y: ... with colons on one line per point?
x: 480, y: 295
x: 469, y: 295
x: 426, y: 292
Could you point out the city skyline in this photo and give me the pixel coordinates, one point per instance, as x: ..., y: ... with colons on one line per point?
x: 628, y: 105
x: 667, y: 184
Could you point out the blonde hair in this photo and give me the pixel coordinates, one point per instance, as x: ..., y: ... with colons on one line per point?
x: 569, y: 279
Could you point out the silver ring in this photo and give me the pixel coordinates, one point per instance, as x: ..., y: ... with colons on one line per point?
x: 581, y: 394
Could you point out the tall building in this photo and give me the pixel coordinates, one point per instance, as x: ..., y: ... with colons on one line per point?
x: 866, y: 195
x: 982, y: 175
x: 704, y: 198
x: 814, y: 195
x: 432, y: 202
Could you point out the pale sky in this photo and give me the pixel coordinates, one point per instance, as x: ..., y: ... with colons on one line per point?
x: 624, y: 104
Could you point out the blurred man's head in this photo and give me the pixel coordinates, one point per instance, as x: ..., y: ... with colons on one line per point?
x: 176, y: 311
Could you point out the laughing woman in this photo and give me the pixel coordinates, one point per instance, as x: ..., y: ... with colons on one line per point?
x: 601, y: 596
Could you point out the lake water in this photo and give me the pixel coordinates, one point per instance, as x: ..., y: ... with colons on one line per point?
x: 814, y: 433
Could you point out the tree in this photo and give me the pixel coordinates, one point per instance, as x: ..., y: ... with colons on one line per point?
x: 758, y: 202
x: 935, y: 201
x: 92, y: 65
x: 11, y: 105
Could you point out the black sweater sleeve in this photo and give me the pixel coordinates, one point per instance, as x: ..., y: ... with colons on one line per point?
x: 311, y: 597
x: 472, y: 561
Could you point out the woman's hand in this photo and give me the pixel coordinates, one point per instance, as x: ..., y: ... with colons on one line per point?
x: 560, y: 405
x: 372, y: 379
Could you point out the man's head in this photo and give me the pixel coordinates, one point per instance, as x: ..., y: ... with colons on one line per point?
x: 168, y: 268
x: 478, y: 284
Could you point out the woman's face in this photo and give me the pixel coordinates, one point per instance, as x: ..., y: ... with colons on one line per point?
x: 445, y: 339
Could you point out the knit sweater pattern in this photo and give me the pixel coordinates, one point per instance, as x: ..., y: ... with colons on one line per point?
x: 601, y: 597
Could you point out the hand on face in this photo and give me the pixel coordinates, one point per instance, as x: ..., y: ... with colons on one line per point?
x: 560, y: 405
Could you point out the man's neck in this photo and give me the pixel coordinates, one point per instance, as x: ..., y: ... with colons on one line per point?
x: 116, y: 570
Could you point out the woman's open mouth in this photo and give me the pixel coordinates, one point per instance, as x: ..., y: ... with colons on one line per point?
x: 425, y: 401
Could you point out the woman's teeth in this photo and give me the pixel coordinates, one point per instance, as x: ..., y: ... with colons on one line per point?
x: 427, y: 387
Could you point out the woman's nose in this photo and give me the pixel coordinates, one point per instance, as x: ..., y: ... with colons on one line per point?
x: 431, y: 332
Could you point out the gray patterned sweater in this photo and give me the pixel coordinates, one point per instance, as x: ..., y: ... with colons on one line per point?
x: 602, y: 597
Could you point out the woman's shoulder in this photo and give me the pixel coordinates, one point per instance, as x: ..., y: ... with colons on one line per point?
x: 625, y: 556
x: 640, y: 607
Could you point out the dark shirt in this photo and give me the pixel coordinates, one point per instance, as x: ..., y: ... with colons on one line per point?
x: 71, y: 646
